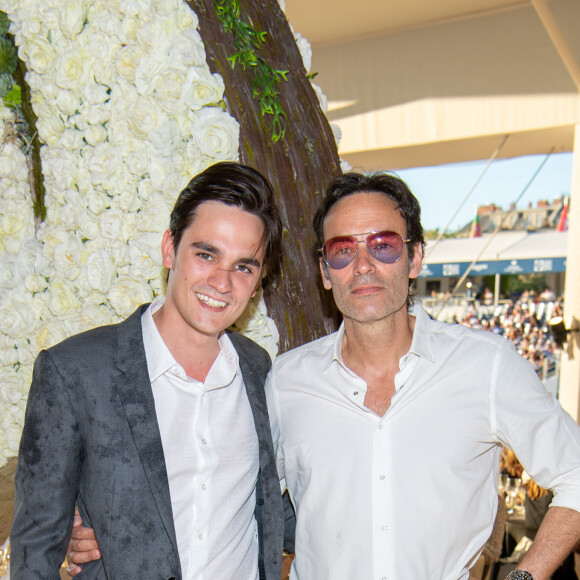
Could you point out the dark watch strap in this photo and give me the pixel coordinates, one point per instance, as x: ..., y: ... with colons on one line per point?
x: 519, y: 575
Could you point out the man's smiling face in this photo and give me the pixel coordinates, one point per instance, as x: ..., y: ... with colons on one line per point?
x: 216, y: 268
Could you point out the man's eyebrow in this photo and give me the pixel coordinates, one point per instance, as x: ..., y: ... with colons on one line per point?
x: 251, y: 262
x: 205, y: 247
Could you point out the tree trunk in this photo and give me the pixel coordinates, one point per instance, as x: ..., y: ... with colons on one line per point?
x: 299, y: 166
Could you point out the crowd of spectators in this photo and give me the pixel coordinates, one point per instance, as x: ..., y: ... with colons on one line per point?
x: 524, y: 321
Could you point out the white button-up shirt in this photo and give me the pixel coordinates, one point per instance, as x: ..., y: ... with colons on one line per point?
x: 211, y: 454
x: 412, y: 494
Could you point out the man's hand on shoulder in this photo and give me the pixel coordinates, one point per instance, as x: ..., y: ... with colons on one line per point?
x: 82, y: 547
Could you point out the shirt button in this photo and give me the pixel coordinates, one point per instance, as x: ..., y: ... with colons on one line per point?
x: 203, y: 486
x: 384, y: 528
x: 381, y: 477
x: 204, y: 441
x: 381, y: 426
x: 200, y: 536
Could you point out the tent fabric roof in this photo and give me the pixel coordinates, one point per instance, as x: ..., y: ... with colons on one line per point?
x: 504, y: 246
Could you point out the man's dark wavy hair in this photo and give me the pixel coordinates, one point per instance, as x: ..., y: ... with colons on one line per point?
x: 240, y: 186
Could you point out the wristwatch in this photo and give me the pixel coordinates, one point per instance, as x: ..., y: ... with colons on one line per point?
x: 519, y: 575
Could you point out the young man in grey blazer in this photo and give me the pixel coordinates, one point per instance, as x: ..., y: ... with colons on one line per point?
x: 157, y: 427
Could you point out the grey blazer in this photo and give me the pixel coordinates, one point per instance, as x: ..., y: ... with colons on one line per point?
x: 91, y: 437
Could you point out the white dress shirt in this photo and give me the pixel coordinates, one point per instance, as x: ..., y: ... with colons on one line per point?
x: 211, y: 454
x: 413, y: 494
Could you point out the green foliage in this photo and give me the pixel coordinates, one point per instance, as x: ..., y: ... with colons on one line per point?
x: 21, y: 129
x: 8, y: 56
x: 517, y: 283
x: 247, y: 41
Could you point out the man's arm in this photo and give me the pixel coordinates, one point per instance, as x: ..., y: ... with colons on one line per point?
x: 47, y: 477
x: 556, y: 537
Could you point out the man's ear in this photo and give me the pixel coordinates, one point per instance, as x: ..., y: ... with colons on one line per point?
x: 167, y: 250
x: 417, y: 260
x: 325, y: 274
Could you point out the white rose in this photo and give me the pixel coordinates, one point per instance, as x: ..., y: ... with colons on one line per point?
x: 145, y: 189
x: 159, y: 172
x: 9, y: 355
x: 39, y: 53
x: 67, y: 101
x: 49, y: 125
x: 183, y: 16
x: 257, y: 325
x: 71, y: 140
x: 62, y: 298
x: 95, y: 134
x: 216, y: 133
x: 127, y: 294
x: 143, y: 117
x: 47, y: 334
x: 96, y: 114
x: 158, y: 285
x: 137, y: 163
x: 145, y: 257
x: 35, y: 283
x: 10, y: 391
x: 187, y: 49
x: 11, y: 223
x: 29, y: 258
x: 8, y: 275
x: 95, y: 93
x: 72, y: 69
x: 60, y: 170
x: 322, y: 100
x: 111, y: 223
x: 203, y: 88
x: 97, y: 313
x: 103, y: 161
x: 169, y: 89
x: 12, y: 160
x: 15, y: 318
x: 67, y: 257
x: 128, y: 60
x: 72, y: 17
x: 97, y: 201
x: 88, y: 225
x: 154, y: 217
x: 100, y: 271
x: 337, y: 132
x: 128, y: 29
x: 305, y: 51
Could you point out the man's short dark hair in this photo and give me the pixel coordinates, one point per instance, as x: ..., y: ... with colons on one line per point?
x: 240, y: 186
x: 386, y: 183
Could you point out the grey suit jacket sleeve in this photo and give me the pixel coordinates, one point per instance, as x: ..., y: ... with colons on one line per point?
x: 47, y: 477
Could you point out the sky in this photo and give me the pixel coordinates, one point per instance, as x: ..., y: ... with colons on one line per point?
x: 441, y: 189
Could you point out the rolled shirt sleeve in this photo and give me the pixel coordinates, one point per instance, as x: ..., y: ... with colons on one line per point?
x: 532, y: 423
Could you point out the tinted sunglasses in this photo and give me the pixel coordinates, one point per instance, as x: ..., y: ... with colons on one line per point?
x: 386, y: 247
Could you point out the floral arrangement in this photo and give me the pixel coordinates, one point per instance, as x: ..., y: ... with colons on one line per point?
x: 128, y: 112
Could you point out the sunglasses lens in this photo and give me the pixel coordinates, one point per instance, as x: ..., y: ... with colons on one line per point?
x: 386, y: 247
x: 339, y: 252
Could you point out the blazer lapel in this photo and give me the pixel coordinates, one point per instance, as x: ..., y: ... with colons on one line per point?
x: 134, y: 387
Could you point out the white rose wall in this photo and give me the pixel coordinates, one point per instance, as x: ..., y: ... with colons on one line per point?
x: 128, y: 112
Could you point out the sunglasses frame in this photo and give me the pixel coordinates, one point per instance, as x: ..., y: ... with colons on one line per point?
x: 365, y: 241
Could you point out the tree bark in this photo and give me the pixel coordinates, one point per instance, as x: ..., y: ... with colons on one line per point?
x: 299, y: 166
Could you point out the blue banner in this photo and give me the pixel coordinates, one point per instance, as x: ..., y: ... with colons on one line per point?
x: 457, y: 269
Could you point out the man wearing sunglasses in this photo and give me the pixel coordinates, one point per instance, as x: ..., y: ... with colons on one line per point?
x: 388, y: 432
